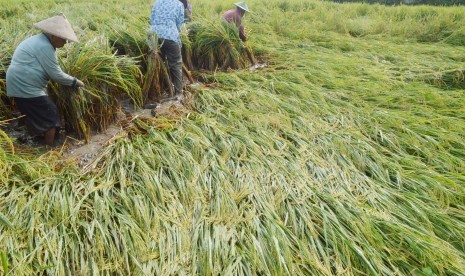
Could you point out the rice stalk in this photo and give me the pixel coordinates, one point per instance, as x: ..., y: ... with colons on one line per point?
x: 186, y: 48
x: 6, y: 141
x: 156, y: 79
x: 4, y: 262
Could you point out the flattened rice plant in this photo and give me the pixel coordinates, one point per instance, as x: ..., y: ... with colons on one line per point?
x: 319, y: 168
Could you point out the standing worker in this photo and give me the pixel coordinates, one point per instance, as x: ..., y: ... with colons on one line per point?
x: 235, y: 16
x: 34, y: 63
x: 166, y: 20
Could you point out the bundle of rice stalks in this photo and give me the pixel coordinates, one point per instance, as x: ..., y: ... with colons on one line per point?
x: 144, y: 46
x: 216, y: 45
x: 130, y: 39
x: 156, y: 78
x: 186, y: 48
x: 186, y: 52
x: 108, y: 78
x: 5, y: 110
x: 133, y: 40
x: 5, y: 142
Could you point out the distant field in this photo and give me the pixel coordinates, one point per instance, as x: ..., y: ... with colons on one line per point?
x: 344, y: 155
x: 406, y: 2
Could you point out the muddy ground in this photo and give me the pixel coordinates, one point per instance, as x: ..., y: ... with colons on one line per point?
x: 73, y: 148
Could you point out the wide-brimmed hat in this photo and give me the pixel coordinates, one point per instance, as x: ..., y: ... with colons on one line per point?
x: 242, y: 5
x: 58, y: 26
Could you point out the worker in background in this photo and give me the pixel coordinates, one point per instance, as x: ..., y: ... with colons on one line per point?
x: 187, y: 10
x: 166, y: 19
x: 34, y: 63
x: 234, y: 16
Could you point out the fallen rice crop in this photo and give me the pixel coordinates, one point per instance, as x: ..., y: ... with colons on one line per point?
x: 341, y: 156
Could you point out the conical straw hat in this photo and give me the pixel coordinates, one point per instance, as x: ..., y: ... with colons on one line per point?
x: 58, y: 26
x: 242, y: 5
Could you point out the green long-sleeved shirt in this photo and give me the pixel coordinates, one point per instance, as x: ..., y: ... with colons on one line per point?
x: 34, y: 63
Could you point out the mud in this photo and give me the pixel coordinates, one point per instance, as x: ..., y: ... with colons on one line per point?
x: 83, y: 153
x: 257, y: 66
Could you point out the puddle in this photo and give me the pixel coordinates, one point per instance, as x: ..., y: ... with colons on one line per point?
x: 257, y: 66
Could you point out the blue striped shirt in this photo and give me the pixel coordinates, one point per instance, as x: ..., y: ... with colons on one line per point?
x: 166, y: 19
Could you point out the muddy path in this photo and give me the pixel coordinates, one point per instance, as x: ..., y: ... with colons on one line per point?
x: 82, y: 153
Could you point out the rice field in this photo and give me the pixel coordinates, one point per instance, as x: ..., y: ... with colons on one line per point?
x: 345, y: 155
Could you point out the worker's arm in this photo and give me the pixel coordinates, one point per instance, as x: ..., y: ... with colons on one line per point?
x: 242, y: 35
x: 49, y: 61
x: 180, y: 17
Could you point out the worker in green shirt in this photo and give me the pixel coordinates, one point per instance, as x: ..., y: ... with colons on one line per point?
x: 34, y: 63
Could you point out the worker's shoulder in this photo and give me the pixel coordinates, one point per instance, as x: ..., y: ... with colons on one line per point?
x: 37, y: 43
x: 171, y: 3
x: 179, y: 4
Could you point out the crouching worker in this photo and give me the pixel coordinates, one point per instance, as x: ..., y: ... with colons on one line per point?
x: 34, y: 63
x: 234, y: 16
x: 166, y: 19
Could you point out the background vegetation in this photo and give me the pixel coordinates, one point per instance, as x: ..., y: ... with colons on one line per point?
x: 345, y: 155
x: 409, y: 2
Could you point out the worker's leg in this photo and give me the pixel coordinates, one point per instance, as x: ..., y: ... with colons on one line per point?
x: 172, y: 51
x: 50, y: 136
x: 42, y: 116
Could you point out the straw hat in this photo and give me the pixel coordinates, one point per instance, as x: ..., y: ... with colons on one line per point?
x: 242, y: 5
x: 58, y: 26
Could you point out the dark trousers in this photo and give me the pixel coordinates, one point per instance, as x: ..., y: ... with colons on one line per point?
x: 41, y: 113
x: 171, y: 51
